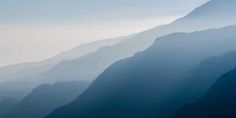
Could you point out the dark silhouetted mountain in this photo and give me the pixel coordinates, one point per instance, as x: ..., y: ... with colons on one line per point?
x: 44, y: 99
x: 144, y: 86
x: 219, y: 102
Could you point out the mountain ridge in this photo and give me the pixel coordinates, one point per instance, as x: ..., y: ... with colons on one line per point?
x: 130, y: 88
x: 218, y: 102
x: 45, y: 98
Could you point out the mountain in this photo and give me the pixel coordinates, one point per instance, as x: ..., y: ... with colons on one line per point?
x: 213, y: 13
x: 44, y: 99
x: 219, y: 102
x: 205, y: 74
x: 138, y: 42
x: 90, y: 66
x: 6, y: 105
x: 13, y: 90
x: 145, y: 85
x: 13, y: 79
x: 34, y: 68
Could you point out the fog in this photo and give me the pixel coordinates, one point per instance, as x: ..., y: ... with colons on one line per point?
x: 33, y: 31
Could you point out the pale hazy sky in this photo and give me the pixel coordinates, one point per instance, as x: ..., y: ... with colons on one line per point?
x: 32, y: 30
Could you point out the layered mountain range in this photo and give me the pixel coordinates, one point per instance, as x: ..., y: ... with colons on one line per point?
x: 18, y: 80
x: 149, y: 74
x: 148, y: 84
x: 90, y: 66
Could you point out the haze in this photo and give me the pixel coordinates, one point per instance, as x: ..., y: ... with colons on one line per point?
x: 36, y: 30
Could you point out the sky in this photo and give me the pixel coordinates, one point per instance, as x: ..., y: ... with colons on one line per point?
x: 33, y: 30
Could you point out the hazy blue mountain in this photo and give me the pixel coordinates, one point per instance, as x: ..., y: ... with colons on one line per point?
x: 44, y: 99
x: 205, y: 74
x: 90, y: 66
x: 219, y: 102
x: 14, y: 80
x: 18, y: 71
x: 144, y: 39
x: 6, y: 105
x: 13, y: 90
x: 145, y: 85
x: 213, y: 13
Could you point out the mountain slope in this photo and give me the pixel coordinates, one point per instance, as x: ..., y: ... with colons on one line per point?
x: 145, y: 84
x: 205, y: 74
x: 44, y: 99
x: 92, y: 65
x: 219, y: 102
x: 213, y: 13
x: 6, y: 105
x: 144, y: 39
x: 20, y: 78
x: 29, y: 69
